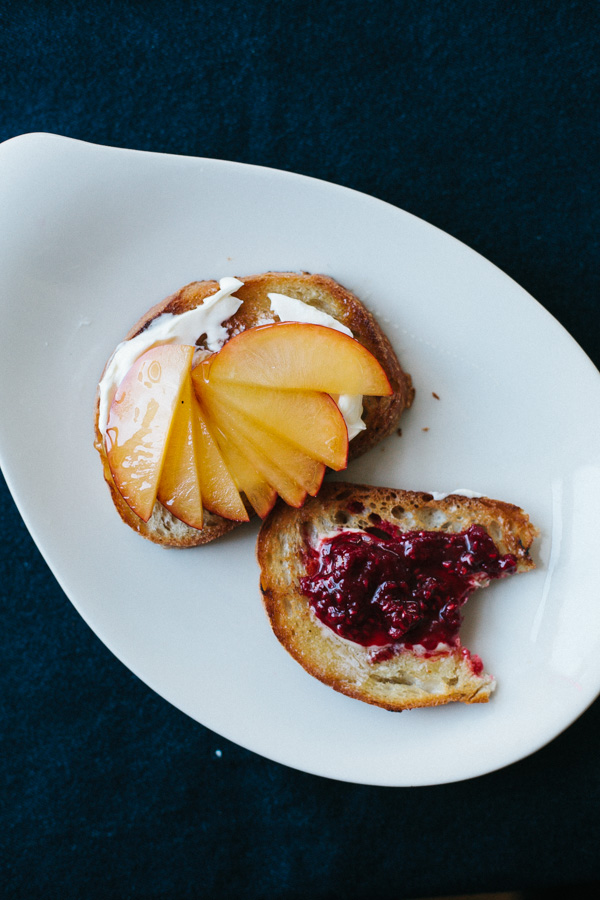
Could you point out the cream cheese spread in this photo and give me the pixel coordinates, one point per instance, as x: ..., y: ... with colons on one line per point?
x: 290, y: 309
x: 209, y: 319
x: 169, y: 328
x: 462, y: 492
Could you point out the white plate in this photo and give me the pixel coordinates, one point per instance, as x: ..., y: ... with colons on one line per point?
x: 90, y: 237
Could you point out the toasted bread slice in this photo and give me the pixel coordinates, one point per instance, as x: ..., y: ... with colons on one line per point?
x: 403, y: 677
x: 380, y: 414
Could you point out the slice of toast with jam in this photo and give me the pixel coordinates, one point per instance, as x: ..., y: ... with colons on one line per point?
x: 364, y: 587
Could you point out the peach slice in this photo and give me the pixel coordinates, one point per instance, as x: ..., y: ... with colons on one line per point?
x: 179, y: 486
x: 308, y: 420
x: 139, y: 423
x: 219, y: 492
x: 306, y: 472
x: 298, y: 356
x: 284, y: 474
x: 261, y: 495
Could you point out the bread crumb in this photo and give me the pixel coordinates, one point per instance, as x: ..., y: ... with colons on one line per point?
x: 424, y: 429
x: 433, y: 394
x: 399, y: 432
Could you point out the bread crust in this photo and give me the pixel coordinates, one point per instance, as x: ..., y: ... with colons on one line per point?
x: 381, y: 414
x: 408, y: 679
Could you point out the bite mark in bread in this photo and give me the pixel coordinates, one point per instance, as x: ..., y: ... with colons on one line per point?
x: 404, y: 677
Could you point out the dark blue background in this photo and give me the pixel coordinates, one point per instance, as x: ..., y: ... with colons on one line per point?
x: 480, y: 117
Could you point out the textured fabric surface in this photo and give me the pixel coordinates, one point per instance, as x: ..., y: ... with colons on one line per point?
x: 481, y: 118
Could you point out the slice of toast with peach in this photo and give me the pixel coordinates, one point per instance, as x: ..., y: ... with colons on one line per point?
x: 212, y: 415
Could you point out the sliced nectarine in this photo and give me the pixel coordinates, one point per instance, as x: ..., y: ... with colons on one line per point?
x: 219, y: 492
x: 179, y: 486
x: 308, y: 420
x: 306, y: 472
x: 297, y: 356
x: 260, y: 494
x: 284, y: 483
x: 254, y: 418
x: 139, y: 423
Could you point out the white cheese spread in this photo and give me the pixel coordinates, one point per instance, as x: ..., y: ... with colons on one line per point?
x: 209, y: 319
x: 462, y: 492
x: 290, y: 309
x: 168, y: 328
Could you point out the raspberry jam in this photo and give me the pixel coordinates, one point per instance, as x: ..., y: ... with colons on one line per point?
x: 384, y: 586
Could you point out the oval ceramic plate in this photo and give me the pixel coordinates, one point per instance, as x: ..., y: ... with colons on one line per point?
x: 90, y: 238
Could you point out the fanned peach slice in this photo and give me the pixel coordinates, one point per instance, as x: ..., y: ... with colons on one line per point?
x: 139, y: 423
x: 179, y: 486
x: 306, y: 472
x: 308, y: 420
x: 219, y: 492
x: 261, y: 495
x: 297, y: 356
x: 247, y: 445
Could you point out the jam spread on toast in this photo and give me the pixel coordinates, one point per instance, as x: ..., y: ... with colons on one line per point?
x: 382, y: 586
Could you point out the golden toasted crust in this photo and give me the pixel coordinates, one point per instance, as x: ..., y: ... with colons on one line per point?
x: 380, y: 415
x: 407, y: 679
